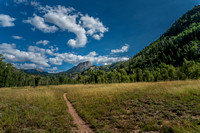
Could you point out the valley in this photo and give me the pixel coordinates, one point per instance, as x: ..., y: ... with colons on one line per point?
x: 61, y: 72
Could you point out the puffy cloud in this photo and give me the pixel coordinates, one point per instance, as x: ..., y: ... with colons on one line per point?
x: 28, y: 66
x: 60, y: 16
x: 92, y: 57
x: 53, y: 49
x: 93, y: 26
x: 57, y: 60
x: 40, y: 50
x: 53, y: 69
x: 6, y: 21
x: 17, y: 37
x: 122, y: 50
x: 36, y: 57
x: 38, y: 22
x: 97, y: 37
x: 12, y: 54
x: 93, y: 53
x: 36, y: 49
x: 44, y: 42
x: 66, y: 20
x: 49, y: 52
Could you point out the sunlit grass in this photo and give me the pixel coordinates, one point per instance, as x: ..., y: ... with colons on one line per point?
x: 27, y: 109
x: 163, y: 106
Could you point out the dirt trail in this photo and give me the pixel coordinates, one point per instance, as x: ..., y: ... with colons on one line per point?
x: 82, y: 126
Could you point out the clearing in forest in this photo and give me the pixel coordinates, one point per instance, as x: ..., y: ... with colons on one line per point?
x: 171, y: 106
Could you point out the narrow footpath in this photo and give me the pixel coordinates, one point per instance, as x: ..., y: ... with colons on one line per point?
x: 82, y: 126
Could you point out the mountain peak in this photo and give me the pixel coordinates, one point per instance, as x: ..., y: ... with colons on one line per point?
x: 80, y: 67
x: 86, y: 63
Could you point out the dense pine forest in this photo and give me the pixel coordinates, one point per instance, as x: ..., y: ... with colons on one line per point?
x: 174, y: 56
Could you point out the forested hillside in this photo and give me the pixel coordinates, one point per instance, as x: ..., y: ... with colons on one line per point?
x: 181, y: 41
x: 174, y: 56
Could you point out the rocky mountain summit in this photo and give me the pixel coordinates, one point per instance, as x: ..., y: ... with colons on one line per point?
x: 80, y: 67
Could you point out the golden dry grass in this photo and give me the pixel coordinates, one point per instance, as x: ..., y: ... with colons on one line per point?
x: 161, y: 107
x: 27, y: 109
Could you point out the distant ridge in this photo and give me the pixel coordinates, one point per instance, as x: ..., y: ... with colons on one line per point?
x: 35, y: 71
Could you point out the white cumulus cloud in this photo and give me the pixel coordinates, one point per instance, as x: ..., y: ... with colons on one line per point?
x: 17, y: 37
x: 44, y: 42
x: 122, y: 50
x: 92, y: 57
x: 53, y: 69
x: 94, y: 26
x: 6, y: 21
x: 61, y: 17
x: 34, y: 55
x: 40, y: 50
x: 66, y: 19
x: 28, y: 66
x: 38, y: 22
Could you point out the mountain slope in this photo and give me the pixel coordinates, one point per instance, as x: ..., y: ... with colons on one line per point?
x: 80, y: 67
x: 35, y: 71
x: 181, y: 41
x: 77, y: 69
x: 174, y: 56
x: 192, y: 16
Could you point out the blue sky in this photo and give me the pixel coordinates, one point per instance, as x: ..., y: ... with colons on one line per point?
x: 57, y: 34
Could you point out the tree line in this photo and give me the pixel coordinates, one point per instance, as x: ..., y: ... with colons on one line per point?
x: 13, y: 77
x: 10, y: 76
x: 164, y: 72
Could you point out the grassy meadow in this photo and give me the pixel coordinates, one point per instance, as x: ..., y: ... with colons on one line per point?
x: 162, y: 107
x: 27, y: 109
x: 172, y: 106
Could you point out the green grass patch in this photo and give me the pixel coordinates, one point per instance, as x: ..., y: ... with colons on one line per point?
x: 141, y: 107
x: 29, y: 109
x: 161, y: 107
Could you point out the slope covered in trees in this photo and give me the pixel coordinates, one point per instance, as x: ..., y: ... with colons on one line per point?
x: 174, y: 56
x: 181, y: 41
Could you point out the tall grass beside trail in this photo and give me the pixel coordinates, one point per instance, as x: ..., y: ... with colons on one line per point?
x: 160, y: 107
x: 27, y: 109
